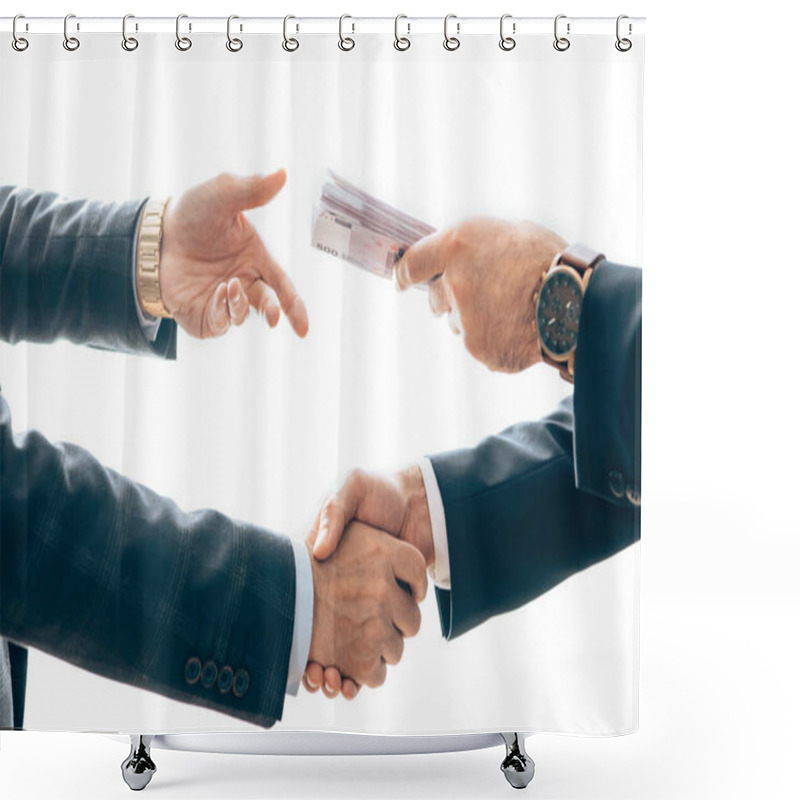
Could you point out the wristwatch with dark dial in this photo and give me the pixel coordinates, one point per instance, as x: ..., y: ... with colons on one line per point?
x: 558, y: 301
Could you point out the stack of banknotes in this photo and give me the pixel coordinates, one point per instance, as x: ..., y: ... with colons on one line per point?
x: 352, y: 224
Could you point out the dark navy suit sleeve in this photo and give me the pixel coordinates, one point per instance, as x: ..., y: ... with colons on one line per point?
x: 95, y: 569
x: 516, y: 524
x: 66, y: 271
x: 105, y: 574
x: 608, y: 385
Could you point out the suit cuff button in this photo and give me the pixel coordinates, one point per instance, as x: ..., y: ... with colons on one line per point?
x: 616, y: 482
x: 209, y: 674
x: 225, y: 680
x: 633, y: 494
x: 191, y: 672
x: 241, y: 682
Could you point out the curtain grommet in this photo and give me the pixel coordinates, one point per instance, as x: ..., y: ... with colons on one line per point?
x: 19, y: 43
x: 233, y: 43
x: 561, y: 43
x: 401, y: 43
x: 290, y: 43
x: 129, y: 43
x: 71, y: 43
x: 507, y: 43
x: 451, y: 43
x: 182, y: 43
x: 346, y: 43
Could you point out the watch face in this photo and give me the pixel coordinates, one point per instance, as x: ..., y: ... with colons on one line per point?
x: 558, y: 312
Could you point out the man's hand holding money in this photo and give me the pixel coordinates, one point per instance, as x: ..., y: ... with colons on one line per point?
x: 482, y: 275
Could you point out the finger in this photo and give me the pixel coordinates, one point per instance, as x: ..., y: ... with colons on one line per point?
x: 437, y: 297
x: 406, y: 615
x: 408, y: 565
x: 291, y: 303
x: 349, y: 689
x: 377, y: 675
x: 392, y: 650
x: 265, y: 302
x: 373, y: 499
x: 422, y: 261
x: 251, y: 191
x: 312, y: 678
x: 332, y: 682
x: 218, y: 318
x: 238, y: 305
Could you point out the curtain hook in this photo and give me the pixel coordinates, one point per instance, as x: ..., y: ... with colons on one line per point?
x: 183, y: 43
x: 401, y: 42
x: 19, y: 43
x: 507, y: 42
x: 290, y: 44
x: 451, y: 42
x: 561, y: 43
x: 346, y: 42
x: 71, y: 43
x: 129, y: 43
x: 233, y: 44
x: 623, y: 45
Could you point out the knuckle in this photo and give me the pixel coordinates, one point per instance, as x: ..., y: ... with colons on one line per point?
x: 374, y: 632
x: 416, y: 621
x: 356, y: 479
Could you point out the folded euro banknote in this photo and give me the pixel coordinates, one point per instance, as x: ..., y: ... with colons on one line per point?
x: 351, y: 224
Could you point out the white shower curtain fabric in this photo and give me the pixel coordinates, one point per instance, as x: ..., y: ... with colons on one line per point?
x: 262, y: 425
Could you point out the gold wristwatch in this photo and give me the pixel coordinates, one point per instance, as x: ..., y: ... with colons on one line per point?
x: 148, y: 258
x: 558, y: 300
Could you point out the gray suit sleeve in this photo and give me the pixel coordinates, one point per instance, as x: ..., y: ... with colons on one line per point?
x: 101, y: 572
x: 65, y: 271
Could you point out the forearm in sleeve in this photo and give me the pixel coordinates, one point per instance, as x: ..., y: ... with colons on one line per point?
x: 65, y: 272
x: 516, y: 523
x: 104, y: 573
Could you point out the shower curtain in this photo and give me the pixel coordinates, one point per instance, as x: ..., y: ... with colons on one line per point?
x: 262, y: 424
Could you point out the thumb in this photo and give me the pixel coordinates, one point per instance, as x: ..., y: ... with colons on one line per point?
x: 251, y: 191
x: 422, y: 261
x: 332, y: 522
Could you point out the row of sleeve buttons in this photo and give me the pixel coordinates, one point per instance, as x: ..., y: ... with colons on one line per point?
x: 209, y: 675
x: 621, y: 488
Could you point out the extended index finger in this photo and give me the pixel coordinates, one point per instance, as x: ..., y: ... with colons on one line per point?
x: 291, y: 303
x: 422, y: 261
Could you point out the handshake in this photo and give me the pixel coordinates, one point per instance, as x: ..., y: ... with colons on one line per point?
x: 369, y: 548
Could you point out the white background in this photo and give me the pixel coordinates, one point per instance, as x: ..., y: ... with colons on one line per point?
x: 719, y: 699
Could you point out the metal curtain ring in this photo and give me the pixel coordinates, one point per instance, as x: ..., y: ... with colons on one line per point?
x: 346, y: 42
x: 561, y: 43
x: 507, y: 42
x: 401, y: 42
x: 623, y: 44
x: 233, y: 44
x: 129, y: 43
x: 183, y: 43
x: 70, y: 42
x: 290, y: 44
x: 19, y: 43
x: 451, y: 42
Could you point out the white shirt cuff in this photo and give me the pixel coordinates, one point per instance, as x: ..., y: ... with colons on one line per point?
x: 303, y: 616
x: 149, y: 323
x: 440, y: 573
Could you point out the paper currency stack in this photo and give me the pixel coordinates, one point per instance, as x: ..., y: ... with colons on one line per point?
x: 353, y: 225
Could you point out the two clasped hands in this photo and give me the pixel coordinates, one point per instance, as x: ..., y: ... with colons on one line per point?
x: 372, y: 540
